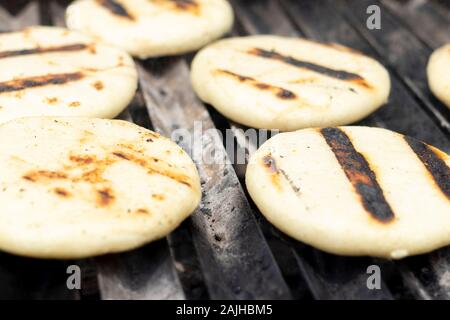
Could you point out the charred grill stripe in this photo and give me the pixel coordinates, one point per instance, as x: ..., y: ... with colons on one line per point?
x: 105, y: 197
x: 39, y: 81
x: 116, y: 8
x: 185, y: 4
x: 191, y: 6
x: 436, y: 166
x: 292, y: 184
x: 337, y: 74
x: 154, y: 170
x: 272, y: 167
x: 16, y: 53
x: 278, y: 91
x: 360, y: 175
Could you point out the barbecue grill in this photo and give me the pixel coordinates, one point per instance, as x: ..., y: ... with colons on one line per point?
x: 226, y: 250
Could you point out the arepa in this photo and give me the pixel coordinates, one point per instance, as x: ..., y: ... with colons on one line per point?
x: 354, y: 190
x: 288, y: 83
x: 50, y: 71
x: 438, y: 72
x: 78, y: 187
x: 152, y: 28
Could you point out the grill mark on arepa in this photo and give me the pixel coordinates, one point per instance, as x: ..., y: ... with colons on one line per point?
x: 269, y: 162
x: 151, y: 169
x: 142, y: 211
x: 185, y: 4
x: 39, y: 81
x: 337, y: 74
x: 190, y: 6
x: 359, y: 173
x: 62, y: 192
x: 115, y: 8
x: 278, y: 91
x: 158, y: 196
x: 24, y: 52
x: 105, y: 197
x: 434, y: 164
x: 273, y: 169
x: 292, y: 184
x: 39, y: 175
x: 88, y: 169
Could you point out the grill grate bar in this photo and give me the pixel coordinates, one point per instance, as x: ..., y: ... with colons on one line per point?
x: 431, y: 272
x: 423, y: 19
x: 236, y: 261
x: 146, y: 273
x: 186, y: 262
x: 333, y: 277
x: 412, y: 282
x: 57, y: 12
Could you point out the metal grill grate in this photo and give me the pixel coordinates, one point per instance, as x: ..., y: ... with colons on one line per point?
x: 226, y: 250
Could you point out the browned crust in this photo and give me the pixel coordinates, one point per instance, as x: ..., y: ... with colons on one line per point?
x: 74, y: 104
x: 270, y: 164
x: 51, y: 100
x: 23, y: 52
x: 88, y: 169
x: 105, y: 197
x: 158, y: 196
x: 39, y: 81
x: 332, y: 73
x: 186, y: 4
x: 143, y: 211
x: 147, y: 163
x: 277, y: 91
x: 116, y: 8
x: 98, y: 85
x: 41, y: 175
x: 62, y: 192
x: 190, y: 6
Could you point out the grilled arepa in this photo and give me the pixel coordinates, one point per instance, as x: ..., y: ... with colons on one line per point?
x: 79, y: 187
x: 439, y: 74
x: 354, y: 190
x: 49, y: 71
x: 152, y: 28
x: 288, y: 83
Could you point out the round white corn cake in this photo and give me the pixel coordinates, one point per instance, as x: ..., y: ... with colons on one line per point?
x: 78, y: 187
x: 354, y: 190
x: 439, y: 74
x: 288, y: 83
x: 49, y: 71
x: 152, y: 28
